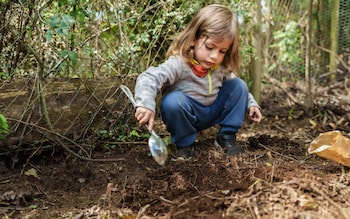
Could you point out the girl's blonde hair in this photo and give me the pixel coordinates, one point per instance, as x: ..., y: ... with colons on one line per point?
x: 213, y: 21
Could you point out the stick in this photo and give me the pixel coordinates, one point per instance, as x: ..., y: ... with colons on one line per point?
x: 275, y: 152
x: 341, y: 210
x: 66, y: 147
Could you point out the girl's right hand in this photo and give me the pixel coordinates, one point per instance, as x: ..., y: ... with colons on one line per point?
x: 145, y: 116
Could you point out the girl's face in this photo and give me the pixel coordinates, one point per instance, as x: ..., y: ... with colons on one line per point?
x: 210, y: 52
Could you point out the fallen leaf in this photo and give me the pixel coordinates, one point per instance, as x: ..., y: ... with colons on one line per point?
x: 307, y: 202
x: 32, y: 172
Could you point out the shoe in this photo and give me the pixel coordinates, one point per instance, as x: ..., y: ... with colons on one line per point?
x: 228, y: 143
x: 183, y: 153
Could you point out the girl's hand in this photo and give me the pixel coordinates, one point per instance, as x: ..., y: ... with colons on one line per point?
x: 145, y: 116
x: 255, y: 114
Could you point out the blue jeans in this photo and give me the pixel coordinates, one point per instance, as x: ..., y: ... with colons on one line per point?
x: 185, y: 116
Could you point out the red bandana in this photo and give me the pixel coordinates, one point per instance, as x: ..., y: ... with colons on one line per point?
x: 199, y: 70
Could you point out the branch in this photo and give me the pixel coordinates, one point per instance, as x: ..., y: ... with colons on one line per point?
x: 64, y: 146
x: 341, y: 210
x: 336, y: 56
x: 278, y: 84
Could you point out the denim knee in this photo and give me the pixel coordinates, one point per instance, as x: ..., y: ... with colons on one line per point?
x: 236, y: 84
x: 173, y: 102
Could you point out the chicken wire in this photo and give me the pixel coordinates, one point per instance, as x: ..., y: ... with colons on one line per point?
x: 344, y: 31
x: 285, y: 24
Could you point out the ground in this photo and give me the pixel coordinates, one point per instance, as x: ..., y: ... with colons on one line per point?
x: 275, y: 176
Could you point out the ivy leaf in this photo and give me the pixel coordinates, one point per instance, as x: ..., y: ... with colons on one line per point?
x: 48, y: 35
x: 67, y: 19
x: 73, y: 57
x: 80, y: 16
x: 53, y: 21
x: 63, y: 53
x: 62, y: 3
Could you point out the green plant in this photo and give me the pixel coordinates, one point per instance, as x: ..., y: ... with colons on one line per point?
x: 4, y: 128
x: 122, y: 135
x: 288, y: 42
x: 4, y: 75
x: 319, y: 115
x: 291, y: 114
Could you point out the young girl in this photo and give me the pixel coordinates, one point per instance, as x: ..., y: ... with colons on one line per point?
x: 200, y: 89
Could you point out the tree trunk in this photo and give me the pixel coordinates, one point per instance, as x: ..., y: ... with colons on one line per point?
x: 334, y: 39
x: 308, y: 59
x: 257, y: 65
x: 322, y: 34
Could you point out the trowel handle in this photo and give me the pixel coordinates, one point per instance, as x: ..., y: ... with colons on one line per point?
x: 128, y: 93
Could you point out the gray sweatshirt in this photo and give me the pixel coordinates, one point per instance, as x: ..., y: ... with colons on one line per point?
x: 176, y: 75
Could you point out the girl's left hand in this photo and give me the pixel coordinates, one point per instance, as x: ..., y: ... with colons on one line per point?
x: 255, y: 114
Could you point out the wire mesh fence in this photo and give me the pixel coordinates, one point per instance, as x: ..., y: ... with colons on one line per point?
x: 344, y: 32
x: 61, y: 64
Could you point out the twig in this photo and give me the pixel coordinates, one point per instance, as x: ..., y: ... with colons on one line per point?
x: 65, y: 147
x: 252, y: 213
x: 167, y: 200
x: 280, y: 128
x: 24, y: 149
x: 342, y: 174
x: 264, y: 181
x: 336, y: 56
x: 180, y: 212
x: 277, y: 83
x: 27, y: 162
x: 275, y: 152
x: 341, y: 210
x: 256, y: 209
x: 183, y: 203
x: 272, y: 173
x: 128, y: 142
x: 217, y: 198
x: 142, y: 211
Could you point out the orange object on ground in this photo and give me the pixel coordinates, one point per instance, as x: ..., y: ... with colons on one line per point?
x: 332, y: 145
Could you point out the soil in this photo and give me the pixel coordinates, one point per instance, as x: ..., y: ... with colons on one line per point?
x: 274, y: 177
